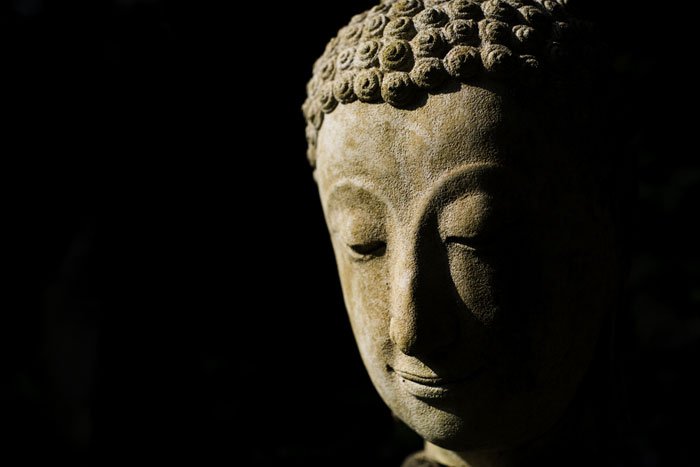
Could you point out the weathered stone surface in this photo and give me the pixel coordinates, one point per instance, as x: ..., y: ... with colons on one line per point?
x: 475, y: 249
x: 508, y: 35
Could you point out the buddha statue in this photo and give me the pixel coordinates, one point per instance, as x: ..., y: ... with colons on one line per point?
x: 459, y: 154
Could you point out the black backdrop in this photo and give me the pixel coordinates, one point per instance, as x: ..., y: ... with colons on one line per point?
x: 172, y: 292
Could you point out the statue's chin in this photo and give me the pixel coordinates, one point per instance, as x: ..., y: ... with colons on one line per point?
x: 472, y: 426
x: 463, y: 421
x: 454, y: 433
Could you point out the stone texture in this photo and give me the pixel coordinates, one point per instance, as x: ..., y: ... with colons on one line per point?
x: 474, y: 245
x: 503, y: 37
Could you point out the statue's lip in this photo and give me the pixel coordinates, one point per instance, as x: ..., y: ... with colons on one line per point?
x: 434, y: 381
x: 434, y: 387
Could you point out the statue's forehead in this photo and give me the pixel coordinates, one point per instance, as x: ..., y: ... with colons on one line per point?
x: 407, y: 150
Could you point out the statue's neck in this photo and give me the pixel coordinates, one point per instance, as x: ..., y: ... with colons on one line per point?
x: 468, y: 459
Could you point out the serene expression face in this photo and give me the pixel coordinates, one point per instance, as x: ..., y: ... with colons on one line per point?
x: 476, y: 274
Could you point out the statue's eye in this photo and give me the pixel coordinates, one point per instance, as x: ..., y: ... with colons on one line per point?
x: 368, y: 250
x: 478, y: 243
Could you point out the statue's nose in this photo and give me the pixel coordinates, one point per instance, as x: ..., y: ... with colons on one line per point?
x: 422, y: 320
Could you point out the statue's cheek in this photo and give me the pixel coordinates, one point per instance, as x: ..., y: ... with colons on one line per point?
x: 365, y: 287
x: 481, y: 282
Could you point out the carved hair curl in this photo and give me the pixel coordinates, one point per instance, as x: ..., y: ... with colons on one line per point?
x: 402, y: 48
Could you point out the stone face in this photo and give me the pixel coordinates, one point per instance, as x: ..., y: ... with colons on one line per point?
x: 473, y: 275
x: 476, y: 257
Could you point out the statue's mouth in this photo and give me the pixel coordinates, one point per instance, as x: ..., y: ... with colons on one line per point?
x: 432, y: 387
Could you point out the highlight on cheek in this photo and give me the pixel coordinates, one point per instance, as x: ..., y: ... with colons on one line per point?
x: 476, y: 230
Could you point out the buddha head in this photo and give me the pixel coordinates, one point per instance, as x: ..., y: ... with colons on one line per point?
x: 456, y: 148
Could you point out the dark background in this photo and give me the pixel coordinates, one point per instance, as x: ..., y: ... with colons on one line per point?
x: 171, y: 281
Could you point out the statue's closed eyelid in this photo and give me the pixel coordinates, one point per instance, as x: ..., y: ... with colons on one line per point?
x: 466, y: 210
x: 360, y: 233
x: 472, y: 219
x: 359, y: 227
x: 349, y: 200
